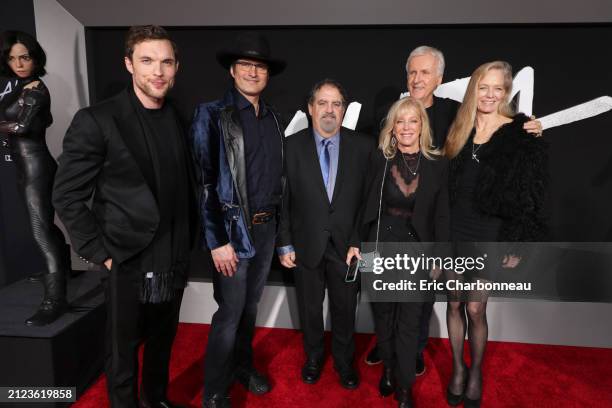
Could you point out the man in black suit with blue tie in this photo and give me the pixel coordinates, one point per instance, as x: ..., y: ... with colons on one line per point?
x: 325, y: 170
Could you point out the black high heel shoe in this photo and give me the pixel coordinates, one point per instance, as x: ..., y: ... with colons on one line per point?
x: 456, y: 399
x: 469, y: 402
x: 453, y: 399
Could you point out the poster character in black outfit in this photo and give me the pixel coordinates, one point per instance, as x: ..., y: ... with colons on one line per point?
x: 130, y: 152
x: 497, y: 187
x: 407, y: 201
x: 26, y: 114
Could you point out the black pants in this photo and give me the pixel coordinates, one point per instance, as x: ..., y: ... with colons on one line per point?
x: 397, y: 324
x: 397, y: 331
x: 310, y: 284
x: 129, y: 322
x: 425, y: 319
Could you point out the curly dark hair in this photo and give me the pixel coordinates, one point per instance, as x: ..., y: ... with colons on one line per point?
x: 8, y: 39
x: 138, y: 34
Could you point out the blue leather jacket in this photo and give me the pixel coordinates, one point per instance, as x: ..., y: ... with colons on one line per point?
x: 218, y: 142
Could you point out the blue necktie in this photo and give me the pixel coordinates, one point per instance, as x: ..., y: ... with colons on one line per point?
x: 324, y: 161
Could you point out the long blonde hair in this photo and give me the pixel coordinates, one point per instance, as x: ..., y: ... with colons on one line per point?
x: 466, y: 116
x: 385, y: 140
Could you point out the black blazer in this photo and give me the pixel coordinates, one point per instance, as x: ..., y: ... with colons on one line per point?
x: 431, y: 217
x: 105, y: 155
x: 308, y: 219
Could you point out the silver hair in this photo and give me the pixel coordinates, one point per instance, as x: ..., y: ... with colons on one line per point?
x: 427, y: 50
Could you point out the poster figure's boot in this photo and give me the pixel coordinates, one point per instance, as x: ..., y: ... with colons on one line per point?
x: 54, y: 303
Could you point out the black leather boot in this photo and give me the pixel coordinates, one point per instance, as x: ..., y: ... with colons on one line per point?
x: 54, y: 303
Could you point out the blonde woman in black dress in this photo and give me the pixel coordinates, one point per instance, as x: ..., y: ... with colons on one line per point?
x: 497, y: 184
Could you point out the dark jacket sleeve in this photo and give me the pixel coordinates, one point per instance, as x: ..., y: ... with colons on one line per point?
x: 284, y: 230
x: 442, y: 214
x: 32, y: 101
x: 442, y: 246
x: 83, y: 157
x: 283, y: 237
x: 205, y: 138
x: 370, y: 173
x: 371, y: 193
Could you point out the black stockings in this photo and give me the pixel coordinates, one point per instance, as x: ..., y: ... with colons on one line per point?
x: 478, y: 332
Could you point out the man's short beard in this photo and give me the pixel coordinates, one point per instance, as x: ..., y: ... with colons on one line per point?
x: 328, y: 126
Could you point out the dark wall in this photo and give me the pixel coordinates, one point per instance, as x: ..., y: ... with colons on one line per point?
x: 571, y: 67
x: 19, y: 255
x: 18, y: 15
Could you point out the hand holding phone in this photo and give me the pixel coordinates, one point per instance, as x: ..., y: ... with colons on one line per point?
x: 351, y: 271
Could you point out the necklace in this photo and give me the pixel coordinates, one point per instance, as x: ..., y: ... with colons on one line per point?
x: 474, y: 151
x: 416, y: 169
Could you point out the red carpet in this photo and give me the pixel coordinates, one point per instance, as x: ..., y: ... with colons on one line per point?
x: 516, y: 375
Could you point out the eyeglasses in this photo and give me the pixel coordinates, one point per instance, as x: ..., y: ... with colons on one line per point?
x: 246, y: 66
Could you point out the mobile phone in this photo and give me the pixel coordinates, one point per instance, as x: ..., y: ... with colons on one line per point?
x: 351, y: 271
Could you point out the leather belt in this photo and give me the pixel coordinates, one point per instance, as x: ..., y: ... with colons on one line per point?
x: 262, y: 217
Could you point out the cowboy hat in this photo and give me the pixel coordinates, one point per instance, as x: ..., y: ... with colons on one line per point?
x: 251, y: 45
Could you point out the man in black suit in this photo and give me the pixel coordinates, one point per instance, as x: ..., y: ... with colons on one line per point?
x: 325, y: 168
x: 131, y: 154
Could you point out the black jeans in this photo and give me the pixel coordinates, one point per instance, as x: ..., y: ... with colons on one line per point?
x: 233, y: 324
x: 128, y: 322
